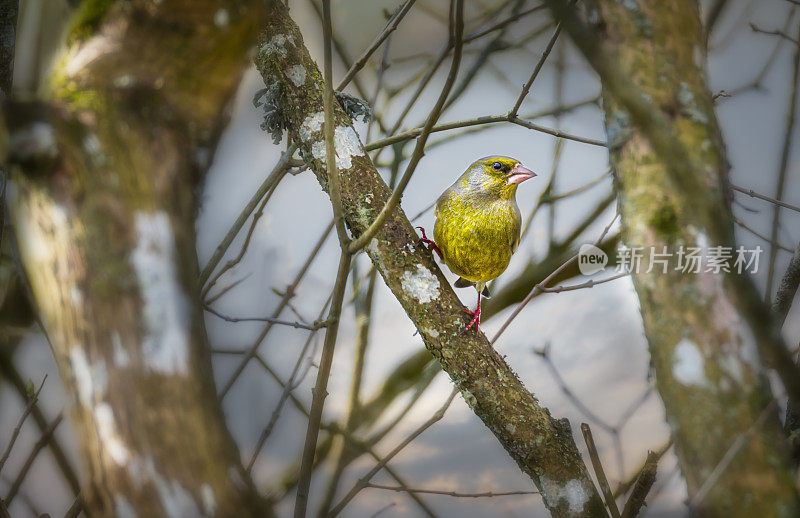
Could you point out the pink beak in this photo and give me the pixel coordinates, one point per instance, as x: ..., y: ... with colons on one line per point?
x: 519, y: 174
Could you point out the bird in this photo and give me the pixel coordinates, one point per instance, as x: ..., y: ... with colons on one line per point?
x: 478, y: 224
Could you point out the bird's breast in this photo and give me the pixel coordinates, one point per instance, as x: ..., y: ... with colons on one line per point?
x: 476, y: 237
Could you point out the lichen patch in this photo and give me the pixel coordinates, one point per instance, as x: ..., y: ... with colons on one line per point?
x: 573, y: 492
x: 346, y: 145
x: 688, y: 365
x: 165, y: 307
x: 297, y: 75
x: 421, y: 285
x: 277, y: 45
x: 311, y: 125
x: 106, y: 429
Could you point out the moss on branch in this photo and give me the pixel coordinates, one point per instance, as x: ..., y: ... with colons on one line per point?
x: 541, y: 445
x: 705, y: 329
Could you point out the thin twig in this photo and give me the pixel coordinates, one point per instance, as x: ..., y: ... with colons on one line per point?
x: 454, y: 494
x: 297, y: 325
x: 288, y: 294
x: 527, y: 88
x: 730, y: 454
x: 623, y: 487
x: 753, y: 194
x: 478, y: 121
x: 786, y: 152
x: 598, y: 471
x: 762, y: 236
x: 40, y: 444
x: 363, y: 481
x: 363, y: 307
x: 578, y: 190
x: 18, y: 428
x: 588, y: 284
x: 288, y: 388
x: 499, y: 25
x: 419, y: 150
x: 390, y: 27
x: 266, y: 185
x: 776, y: 32
x: 645, y: 481
x: 537, y: 289
x: 320, y: 390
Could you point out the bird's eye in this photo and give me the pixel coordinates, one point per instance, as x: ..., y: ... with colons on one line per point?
x: 497, y: 166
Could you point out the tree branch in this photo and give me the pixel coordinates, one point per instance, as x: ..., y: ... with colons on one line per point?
x: 542, y: 446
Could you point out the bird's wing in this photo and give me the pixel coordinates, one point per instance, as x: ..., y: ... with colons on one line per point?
x: 516, y: 228
x: 463, y: 283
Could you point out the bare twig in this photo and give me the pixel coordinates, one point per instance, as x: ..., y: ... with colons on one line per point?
x: 499, y: 25
x: 479, y: 121
x: 269, y: 182
x: 14, y: 434
x: 382, y: 510
x: 625, y: 486
x: 537, y: 289
x: 10, y: 374
x: 454, y: 494
x: 419, y: 150
x: 363, y: 481
x: 288, y: 387
x: 762, y: 236
x: 786, y: 150
x: 730, y: 454
x: 645, y: 480
x: 598, y: 471
x: 527, y: 88
x: 297, y: 325
x: 363, y: 319
x: 588, y: 284
x: 390, y: 27
x: 776, y: 32
x: 320, y: 390
x: 753, y: 194
x: 40, y: 444
x: 289, y: 293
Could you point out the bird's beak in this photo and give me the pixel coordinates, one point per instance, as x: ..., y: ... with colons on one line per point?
x: 519, y: 174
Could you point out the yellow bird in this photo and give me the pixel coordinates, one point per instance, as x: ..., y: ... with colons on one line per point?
x: 478, y: 224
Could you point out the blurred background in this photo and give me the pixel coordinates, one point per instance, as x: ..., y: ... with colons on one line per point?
x: 582, y: 353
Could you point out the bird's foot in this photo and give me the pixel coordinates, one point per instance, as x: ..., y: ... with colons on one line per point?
x: 428, y: 243
x: 476, y: 319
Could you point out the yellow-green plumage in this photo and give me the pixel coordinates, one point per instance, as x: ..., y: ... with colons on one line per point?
x: 478, y: 222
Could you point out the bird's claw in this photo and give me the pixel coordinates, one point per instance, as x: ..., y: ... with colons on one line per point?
x: 429, y: 243
x: 476, y: 320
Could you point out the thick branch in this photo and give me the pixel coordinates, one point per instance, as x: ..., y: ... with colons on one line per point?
x: 104, y: 212
x: 542, y: 446
x: 705, y: 329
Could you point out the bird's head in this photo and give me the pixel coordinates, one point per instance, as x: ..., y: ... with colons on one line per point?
x: 495, y: 175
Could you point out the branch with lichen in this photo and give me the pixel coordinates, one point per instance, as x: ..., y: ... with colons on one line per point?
x: 709, y: 333
x: 103, y: 209
x: 541, y: 445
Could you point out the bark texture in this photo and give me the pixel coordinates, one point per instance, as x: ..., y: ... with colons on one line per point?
x: 104, y: 206
x: 542, y: 446
x: 704, y: 329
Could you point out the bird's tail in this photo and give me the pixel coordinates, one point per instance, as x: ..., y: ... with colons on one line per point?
x: 464, y: 283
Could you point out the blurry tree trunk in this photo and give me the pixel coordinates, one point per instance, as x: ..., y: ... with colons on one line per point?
x: 105, y: 177
x: 704, y: 329
x: 541, y: 445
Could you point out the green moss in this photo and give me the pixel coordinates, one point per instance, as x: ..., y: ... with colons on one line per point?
x: 88, y: 18
x: 665, y: 221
